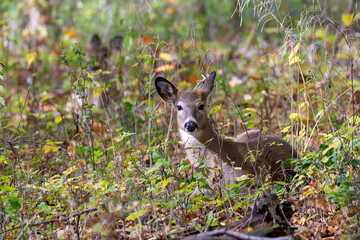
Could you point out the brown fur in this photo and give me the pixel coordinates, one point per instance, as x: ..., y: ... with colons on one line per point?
x: 205, y: 143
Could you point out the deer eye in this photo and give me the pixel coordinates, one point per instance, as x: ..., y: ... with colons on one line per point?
x: 179, y: 108
x: 201, y: 107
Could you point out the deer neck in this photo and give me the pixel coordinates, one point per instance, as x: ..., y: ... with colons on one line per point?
x: 207, y: 140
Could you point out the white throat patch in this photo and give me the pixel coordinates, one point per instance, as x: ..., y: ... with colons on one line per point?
x: 187, y: 138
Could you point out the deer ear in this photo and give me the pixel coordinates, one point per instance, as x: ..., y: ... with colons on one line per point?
x: 208, y: 84
x: 95, y: 41
x: 165, y: 89
x: 116, y: 42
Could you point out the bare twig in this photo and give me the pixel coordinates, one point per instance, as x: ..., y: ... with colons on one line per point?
x: 60, y: 219
x: 241, y: 236
x: 22, y: 109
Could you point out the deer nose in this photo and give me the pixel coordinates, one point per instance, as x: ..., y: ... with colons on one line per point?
x: 191, y: 126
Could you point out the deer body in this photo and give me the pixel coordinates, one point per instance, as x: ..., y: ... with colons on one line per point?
x: 202, y: 141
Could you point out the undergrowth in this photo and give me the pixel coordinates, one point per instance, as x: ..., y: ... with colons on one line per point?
x: 94, y: 153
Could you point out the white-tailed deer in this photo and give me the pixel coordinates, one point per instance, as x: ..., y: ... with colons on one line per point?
x: 253, y: 152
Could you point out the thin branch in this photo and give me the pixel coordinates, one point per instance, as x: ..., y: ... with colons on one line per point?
x: 54, y: 220
x: 240, y: 236
x: 22, y: 109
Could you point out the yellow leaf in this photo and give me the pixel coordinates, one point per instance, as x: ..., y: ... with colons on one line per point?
x: 286, y: 129
x: 294, y: 116
x: 293, y: 58
x: 320, y: 33
x: 182, y: 184
x: 181, y: 84
x: 241, y: 178
x: 165, y: 183
x: 166, y: 67
x: 3, y: 160
x: 30, y: 57
x: 253, y: 110
x: 69, y: 170
x: 166, y: 57
x: 348, y: 19
x: 58, y: 119
x: 334, y: 145
x: 50, y: 146
x: 96, y: 92
x: 302, y: 221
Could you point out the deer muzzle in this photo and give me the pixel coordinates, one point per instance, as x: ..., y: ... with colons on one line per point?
x: 191, y: 126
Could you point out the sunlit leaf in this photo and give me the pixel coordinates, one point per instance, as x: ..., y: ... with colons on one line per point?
x: 58, y: 119
x: 166, y: 67
x: 46, y: 208
x: 166, y: 57
x: 293, y: 58
x: 253, y: 110
x: 215, y: 109
x: 286, y: 129
x: 348, y: 19
x: 30, y: 58
x: 96, y: 92
x: 70, y: 170
x: 3, y: 159
x: 334, y: 145
x: 135, y: 215
x: 50, y: 146
x: 7, y: 189
x: 165, y: 183
x: 294, y: 117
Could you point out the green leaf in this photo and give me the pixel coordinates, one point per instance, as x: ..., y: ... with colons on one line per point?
x: 123, y: 135
x: 7, y: 189
x: 3, y: 159
x: 135, y: 215
x: 46, y: 208
x: 2, y: 101
x: 215, y: 109
x: 128, y: 106
x: 157, y: 155
x: 15, y: 203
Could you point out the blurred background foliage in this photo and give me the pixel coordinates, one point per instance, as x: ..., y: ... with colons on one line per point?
x: 289, y: 67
